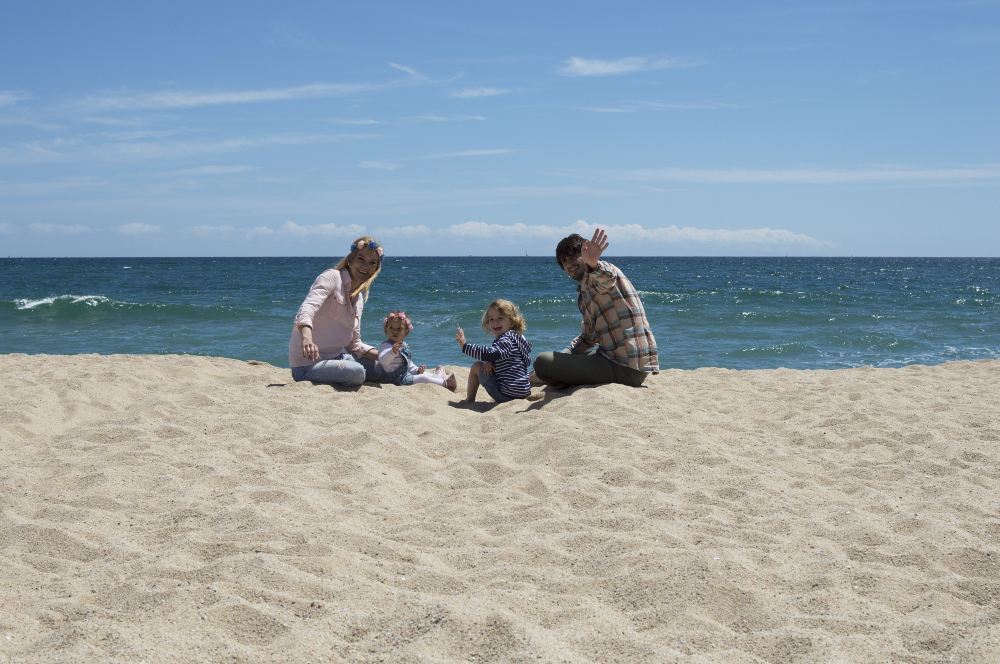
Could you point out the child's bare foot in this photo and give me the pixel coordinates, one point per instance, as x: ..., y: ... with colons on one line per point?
x: 451, y: 383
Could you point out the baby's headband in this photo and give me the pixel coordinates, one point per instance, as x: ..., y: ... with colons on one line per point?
x: 401, y: 315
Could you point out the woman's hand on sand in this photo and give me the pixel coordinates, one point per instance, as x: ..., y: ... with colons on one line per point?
x: 592, y: 249
x: 460, y: 336
x: 310, y: 351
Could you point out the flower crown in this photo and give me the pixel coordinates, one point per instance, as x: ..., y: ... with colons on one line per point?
x: 401, y: 315
x: 371, y: 244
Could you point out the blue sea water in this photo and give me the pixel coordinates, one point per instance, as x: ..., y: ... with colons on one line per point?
x: 744, y: 313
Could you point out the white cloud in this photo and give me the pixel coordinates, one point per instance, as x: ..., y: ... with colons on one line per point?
x: 636, y: 233
x: 813, y: 175
x: 61, y: 229
x: 360, y: 122
x: 289, y: 228
x: 51, y: 187
x: 408, y: 70
x: 472, y: 93
x: 173, y: 149
x: 430, y: 117
x: 32, y: 124
x: 640, y: 106
x: 378, y: 165
x: 584, y: 67
x: 672, y: 234
x: 480, y: 229
x: 212, y: 169
x: 471, y: 153
x: 61, y: 150
x: 192, y: 99
x: 416, y: 230
x: 226, y: 232
x: 6, y: 228
x: 292, y: 228
x: 258, y: 231
x: 11, y: 97
x: 214, y: 232
x: 138, y: 229
x: 292, y: 35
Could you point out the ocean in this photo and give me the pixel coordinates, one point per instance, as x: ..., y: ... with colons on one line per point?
x: 740, y: 313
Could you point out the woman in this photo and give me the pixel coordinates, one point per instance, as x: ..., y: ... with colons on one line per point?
x: 326, y: 346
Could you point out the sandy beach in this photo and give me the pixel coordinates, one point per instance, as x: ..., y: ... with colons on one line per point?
x: 180, y: 508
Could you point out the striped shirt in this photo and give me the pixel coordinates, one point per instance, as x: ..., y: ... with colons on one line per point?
x: 614, y: 319
x: 510, y: 354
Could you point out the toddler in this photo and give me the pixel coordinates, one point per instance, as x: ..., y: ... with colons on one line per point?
x: 396, y: 361
x: 503, y: 366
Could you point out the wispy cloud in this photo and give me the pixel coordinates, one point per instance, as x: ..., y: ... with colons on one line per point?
x: 173, y: 149
x: 178, y: 99
x: 489, y: 152
x: 813, y: 175
x: 211, y: 169
x: 473, y: 93
x: 378, y: 165
x: 6, y: 228
x: 587, y: 67
x: 661, y: 106
x: 359, y: 122
x: 11, y: 97
x: 484, y: 230
x: 292, y: 228
x: 50, y: 187
x: 289, y: 228
x: 637, y: 233
x: 743, y: 236
x: 33, y: 124
x: 227, y: 232
x: 411, y: 231
x: 432, y: 117
x: 60, y: 229
x: 138, y: 229
x: 291, y: 35
x: 408, y: 70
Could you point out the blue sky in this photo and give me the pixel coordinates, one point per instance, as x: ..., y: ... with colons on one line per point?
x: 713, y: 128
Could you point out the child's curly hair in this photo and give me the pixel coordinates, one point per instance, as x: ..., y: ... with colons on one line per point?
x: 508, y: 309
x: 401, y: 315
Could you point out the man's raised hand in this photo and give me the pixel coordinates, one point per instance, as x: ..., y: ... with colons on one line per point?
x: 592, y: 249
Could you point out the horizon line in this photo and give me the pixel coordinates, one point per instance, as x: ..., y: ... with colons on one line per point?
x: 335, y: 257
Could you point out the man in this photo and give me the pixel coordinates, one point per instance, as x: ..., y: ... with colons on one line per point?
x: 616, y: 344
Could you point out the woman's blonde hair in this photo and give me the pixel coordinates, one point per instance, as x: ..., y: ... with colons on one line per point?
x: 363, y: 242
x: 508, y: 309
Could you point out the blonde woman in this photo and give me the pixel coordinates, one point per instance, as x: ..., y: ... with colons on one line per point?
x: 326, y: 346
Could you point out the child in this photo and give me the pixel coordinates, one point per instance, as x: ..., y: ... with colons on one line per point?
x: 396, y: 361
x: 504, y: 373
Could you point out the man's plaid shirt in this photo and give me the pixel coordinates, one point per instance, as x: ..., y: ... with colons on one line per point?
x: 614, y: 319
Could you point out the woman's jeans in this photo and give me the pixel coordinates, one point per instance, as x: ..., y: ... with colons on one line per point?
x: 342, y: 370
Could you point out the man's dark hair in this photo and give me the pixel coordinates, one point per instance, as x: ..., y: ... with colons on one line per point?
x: 569, y: 247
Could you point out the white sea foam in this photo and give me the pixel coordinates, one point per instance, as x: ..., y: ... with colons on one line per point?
x: 89, y: 300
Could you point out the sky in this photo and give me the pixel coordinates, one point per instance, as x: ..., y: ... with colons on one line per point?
x: 799, y: 128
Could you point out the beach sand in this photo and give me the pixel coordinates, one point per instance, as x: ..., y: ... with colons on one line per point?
x: 179, y: 508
